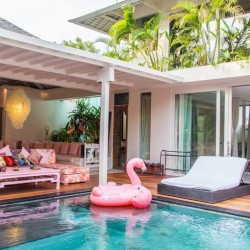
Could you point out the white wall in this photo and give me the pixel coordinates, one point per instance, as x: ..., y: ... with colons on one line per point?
x: 160, y: 123
x: 133, y: 125
x: 43, y: 113
x: 161, y: 119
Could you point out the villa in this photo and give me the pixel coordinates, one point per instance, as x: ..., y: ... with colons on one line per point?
x: 168, y: 117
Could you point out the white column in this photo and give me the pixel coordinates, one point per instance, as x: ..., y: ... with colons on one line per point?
x: 105, y: 76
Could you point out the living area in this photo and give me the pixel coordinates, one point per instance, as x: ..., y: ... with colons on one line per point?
x: 57, y: 141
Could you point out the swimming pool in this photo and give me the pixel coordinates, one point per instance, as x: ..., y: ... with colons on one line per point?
x: 72, y: 223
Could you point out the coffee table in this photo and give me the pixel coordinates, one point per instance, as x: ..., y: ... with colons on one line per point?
x: 27, y: 175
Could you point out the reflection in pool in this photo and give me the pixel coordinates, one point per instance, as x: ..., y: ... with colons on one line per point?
x: 72, y: 223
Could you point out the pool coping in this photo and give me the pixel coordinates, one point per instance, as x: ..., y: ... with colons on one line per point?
x: 45, y: 196
x: 205, y: 206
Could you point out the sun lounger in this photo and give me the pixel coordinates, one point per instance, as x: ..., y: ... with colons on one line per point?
x: 211, y: 179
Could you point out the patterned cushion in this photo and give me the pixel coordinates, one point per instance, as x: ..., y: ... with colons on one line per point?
x: 10, y: 161
x: 34, y: 156
x: 6, y: 150
x: 21, y: 160
x: 15, y: 152
x: 48, y: 156
x: 74, y: 178
x: 68, y: 169
x: 2, y: 162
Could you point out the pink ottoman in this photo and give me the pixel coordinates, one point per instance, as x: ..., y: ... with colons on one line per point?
x: 70, y: 173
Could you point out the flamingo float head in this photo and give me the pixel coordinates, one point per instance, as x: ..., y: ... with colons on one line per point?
x: 135, y: 163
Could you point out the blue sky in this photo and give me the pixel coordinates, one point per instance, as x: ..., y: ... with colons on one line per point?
x: 47, y: 19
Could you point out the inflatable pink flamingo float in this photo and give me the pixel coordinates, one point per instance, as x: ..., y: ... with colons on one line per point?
x: 135, y: 194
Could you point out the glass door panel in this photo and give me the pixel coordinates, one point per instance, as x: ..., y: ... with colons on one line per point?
x: 200, y: 123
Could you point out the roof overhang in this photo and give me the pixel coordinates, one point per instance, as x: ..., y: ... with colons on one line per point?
x: 102, y: 20
x: 33, y: 60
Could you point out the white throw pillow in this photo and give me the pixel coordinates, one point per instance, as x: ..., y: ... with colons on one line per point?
x: 6, y: 151
x: 25, y: 153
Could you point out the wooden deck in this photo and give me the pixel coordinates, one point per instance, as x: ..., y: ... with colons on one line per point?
x: 10, y: 194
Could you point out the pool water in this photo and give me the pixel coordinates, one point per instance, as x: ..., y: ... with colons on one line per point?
x: 72, y: 223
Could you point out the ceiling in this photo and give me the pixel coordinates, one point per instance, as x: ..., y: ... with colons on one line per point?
x: 47, y: 65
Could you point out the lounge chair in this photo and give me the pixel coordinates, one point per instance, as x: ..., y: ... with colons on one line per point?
x: 211, y: 179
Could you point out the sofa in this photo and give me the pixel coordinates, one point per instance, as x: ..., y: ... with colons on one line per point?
x: 66, y: 152
x: 67, y: 158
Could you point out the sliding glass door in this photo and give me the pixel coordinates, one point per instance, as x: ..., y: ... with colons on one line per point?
x: 200, y: 126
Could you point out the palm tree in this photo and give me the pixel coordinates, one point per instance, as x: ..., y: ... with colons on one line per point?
x: 82, y: 45
x: 218, y: 9
x: 192, y: 35
x: 120, y: 51
x: 123, y: 28
x: 144, y: 42
x: 196, y: 21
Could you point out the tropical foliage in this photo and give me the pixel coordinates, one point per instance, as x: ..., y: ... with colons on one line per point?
x: 199, y: 29
x: 121, y: 52
x: 82, y: 45
x: 85, y: 119
x: 198, y: 36
x: 142, y: 41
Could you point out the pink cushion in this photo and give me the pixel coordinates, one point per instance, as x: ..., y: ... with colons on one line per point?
x: 34, y: 156
x: 26, y: 145
x: 68, y: 169
x: 39, y: 145
x: 12, y: 144
x: 74, y: 178
x: 80, y: 149
x: 48, y: 156
x: 64, y: 148
x: 49, y: 145
x: 56, y: 147
x: 31, y: 145
x: 73, y: 148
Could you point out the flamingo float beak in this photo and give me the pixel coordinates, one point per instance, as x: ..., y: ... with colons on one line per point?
x: 144, y: 168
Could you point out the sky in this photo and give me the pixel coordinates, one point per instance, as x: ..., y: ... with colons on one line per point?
x: 48, y: 19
